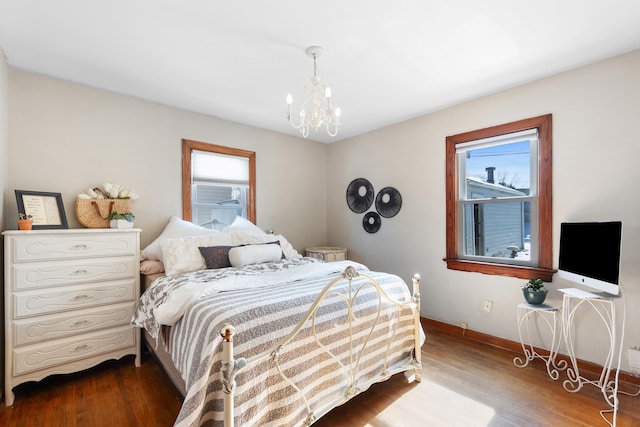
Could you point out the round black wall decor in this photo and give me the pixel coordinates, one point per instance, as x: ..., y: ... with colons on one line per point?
x: 360, y: 195
x: 371, y: 222
x: 388, y: 202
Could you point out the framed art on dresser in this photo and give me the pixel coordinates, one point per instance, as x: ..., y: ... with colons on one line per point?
x: 46, y: 209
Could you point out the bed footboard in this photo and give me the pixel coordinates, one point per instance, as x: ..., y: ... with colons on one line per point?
x: 350, y: 364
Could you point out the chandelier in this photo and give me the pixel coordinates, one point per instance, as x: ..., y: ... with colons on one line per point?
x: 316, y: 110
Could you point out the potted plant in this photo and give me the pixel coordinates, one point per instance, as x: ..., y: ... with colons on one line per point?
x: 121, y: 220
x: 534, y: 291
x: 25, y: 222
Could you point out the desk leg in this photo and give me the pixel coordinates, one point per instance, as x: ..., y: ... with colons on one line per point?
x: 529, y: 353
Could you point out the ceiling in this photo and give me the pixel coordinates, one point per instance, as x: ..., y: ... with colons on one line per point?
x: 237, y: 60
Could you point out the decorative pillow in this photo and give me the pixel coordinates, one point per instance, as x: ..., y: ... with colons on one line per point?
x: 216, y: 256
x: 183, y: 255
x: 175, y: 229
x: 254, y: 254
x: 151, y: 266
x: 241, y: 238
x: 244, y: 225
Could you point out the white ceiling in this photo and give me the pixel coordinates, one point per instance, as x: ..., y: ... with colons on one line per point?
x: 385, y: 63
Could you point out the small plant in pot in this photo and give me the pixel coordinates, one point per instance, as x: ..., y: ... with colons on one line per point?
x: 25, y: 222
x: 534, y: 291
x: 121, y: 220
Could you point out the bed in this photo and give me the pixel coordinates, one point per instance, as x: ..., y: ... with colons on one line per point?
x: 274, y: 341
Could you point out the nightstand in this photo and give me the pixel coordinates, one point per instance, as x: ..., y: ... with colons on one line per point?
x: 327, y: 253
x: 527, y: 314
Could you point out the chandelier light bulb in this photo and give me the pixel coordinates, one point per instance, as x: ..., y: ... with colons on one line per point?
x: 289, y: 99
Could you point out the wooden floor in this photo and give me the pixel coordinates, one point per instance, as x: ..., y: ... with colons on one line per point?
x: 465, y: 383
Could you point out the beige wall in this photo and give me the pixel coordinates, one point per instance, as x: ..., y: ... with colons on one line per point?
x: 4, y: 130
x: 4, y: 165
x: 596, y: 155
x: 65, y: 137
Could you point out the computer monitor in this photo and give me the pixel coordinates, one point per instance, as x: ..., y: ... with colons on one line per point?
x: 590, y: 254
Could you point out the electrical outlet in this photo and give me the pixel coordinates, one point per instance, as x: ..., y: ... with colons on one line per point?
x: 634, y: 359
x: 487, y: 306
x: 464, y: 325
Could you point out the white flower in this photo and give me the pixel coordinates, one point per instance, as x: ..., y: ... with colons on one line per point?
x: 112, y: 189
x: 109, y: 191
x: 92, y: 194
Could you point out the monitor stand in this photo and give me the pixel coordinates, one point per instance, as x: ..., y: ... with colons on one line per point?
x: 608, y: 382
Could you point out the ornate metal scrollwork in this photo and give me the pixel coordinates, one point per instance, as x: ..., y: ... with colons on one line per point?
x: 229, y: 371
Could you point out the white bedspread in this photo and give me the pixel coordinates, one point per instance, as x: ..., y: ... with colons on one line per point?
x: 263, y: 310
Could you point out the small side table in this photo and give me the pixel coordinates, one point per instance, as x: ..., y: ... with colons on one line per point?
x: 327, y: 253
x: 549, y: 314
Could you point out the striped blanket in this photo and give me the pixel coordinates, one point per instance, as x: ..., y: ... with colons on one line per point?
x: 323, y: 367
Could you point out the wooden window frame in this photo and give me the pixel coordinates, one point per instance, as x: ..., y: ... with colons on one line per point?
x: 188, y: 146
x: 544, y: 270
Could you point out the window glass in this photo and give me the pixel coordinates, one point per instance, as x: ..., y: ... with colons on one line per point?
x: 219, y: 188
x: 496, y: 198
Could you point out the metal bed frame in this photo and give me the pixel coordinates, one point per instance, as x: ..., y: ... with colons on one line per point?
x: 232, y: 366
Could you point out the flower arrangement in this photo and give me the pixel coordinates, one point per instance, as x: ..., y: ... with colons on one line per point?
x: 109, y: 191
x: 22, y: 216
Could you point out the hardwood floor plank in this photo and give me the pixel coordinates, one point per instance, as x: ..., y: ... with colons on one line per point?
x: 465, y: 383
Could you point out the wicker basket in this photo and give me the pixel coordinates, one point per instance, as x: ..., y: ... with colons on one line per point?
x: 94, y: 213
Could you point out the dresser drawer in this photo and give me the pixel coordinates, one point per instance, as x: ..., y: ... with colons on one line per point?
x: 43, y: 301
x: 47, y: 274
x: 73, y: 246
x: 54, y: 326
x: 36, y: 357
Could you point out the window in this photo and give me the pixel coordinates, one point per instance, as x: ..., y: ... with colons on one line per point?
x: 498, y: 183
x: 218, y: 184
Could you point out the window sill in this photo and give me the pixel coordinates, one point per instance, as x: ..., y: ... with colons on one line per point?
x: 501, y: 269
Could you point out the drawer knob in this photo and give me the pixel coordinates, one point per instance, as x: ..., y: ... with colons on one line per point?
x: 79, y: 272
x: 79, y: 247
x: 80, y: 323
x: 78, y: 348
x: 82, y: 297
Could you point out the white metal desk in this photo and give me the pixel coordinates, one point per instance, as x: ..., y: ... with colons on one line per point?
x: 606, y: 310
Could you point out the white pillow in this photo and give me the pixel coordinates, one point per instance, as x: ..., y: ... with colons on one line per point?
x: 175, y: 229
x: 254, y: 254
x: 241, y: 238
x: 183, y: 255
x: 244, y: 225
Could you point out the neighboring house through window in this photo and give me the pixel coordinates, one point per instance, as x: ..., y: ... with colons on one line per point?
x: 218, y: 184
x: 498, y: 187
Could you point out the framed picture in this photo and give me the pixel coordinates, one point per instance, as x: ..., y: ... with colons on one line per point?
x: 46, y: 209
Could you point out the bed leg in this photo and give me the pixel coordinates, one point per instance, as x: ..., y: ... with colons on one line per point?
x: 417, y: 353
x: 227, y: 371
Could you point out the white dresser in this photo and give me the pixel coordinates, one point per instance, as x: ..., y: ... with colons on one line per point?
x: 69, y: 297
